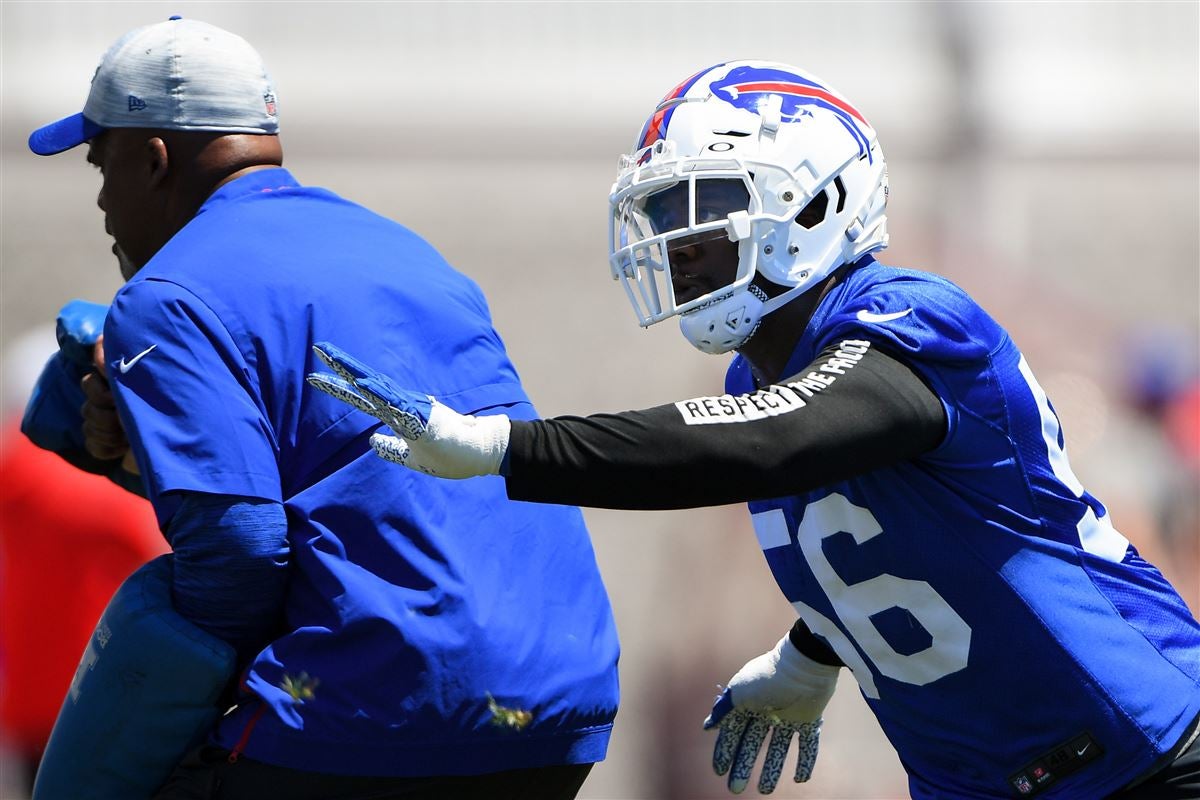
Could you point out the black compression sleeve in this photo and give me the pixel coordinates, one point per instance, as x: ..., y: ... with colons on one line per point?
x: 854, y: 409
x: 809, y: 644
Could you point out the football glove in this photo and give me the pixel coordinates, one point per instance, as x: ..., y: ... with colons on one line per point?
x: 78, y: 328
x: 434, y: 438
x: 781, y: 692
x: 52, y: 419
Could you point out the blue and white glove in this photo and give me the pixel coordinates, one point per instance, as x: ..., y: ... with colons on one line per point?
x: 434, y: 438
x: 781, y: 692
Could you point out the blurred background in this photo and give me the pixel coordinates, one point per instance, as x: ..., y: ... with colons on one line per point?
x: 1045, y: 156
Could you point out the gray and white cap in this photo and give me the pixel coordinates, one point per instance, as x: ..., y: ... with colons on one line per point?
x: 181, y: 74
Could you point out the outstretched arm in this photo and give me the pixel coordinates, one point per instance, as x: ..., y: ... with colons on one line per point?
x: 854, y: 409
x: 837, y: 418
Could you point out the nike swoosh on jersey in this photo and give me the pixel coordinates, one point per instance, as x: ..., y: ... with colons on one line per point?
x: 868, y: 316
x: 125, y: 366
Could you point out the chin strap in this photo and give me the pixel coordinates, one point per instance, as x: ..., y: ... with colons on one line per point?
x: 730, y: 323
x: 710, y: 330
x: 779, y: 301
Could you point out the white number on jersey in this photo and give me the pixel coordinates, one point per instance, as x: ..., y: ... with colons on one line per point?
x: 1096, y: 534
x: 855, y: 604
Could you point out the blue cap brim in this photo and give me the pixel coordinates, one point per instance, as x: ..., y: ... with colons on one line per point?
x: 63, y: 135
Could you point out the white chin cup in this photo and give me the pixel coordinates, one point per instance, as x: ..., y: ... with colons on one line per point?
x: 726, y: 323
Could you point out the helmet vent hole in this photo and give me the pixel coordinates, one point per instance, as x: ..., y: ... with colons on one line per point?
x: 813, y: 213
x: 731, y: 133
x: 841, y: 190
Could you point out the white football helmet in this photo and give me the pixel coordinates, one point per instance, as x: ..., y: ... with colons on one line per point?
x: 755, y: 158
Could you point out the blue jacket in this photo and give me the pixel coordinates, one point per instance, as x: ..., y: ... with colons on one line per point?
x: 419, y: 612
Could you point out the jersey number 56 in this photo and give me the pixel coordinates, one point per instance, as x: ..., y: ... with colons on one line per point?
x: 856, y: 603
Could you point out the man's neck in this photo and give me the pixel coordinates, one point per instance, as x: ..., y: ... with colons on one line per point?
x: 772, y: 345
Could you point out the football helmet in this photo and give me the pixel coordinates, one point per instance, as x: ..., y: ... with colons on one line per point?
x: 754, y: 163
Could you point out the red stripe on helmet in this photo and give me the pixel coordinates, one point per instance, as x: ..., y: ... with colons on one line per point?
x: 805, y: 91
x: 653, y: 130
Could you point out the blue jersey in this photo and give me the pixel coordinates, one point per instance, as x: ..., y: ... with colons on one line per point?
x: 431, y: 627
x: 1006, y: 635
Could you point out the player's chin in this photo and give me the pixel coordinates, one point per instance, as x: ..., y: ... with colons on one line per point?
x: 126, y: 264
x: 687, y: 288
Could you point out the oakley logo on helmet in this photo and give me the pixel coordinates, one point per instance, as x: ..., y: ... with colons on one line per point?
x: 810, y: 199
x: 746, y: 87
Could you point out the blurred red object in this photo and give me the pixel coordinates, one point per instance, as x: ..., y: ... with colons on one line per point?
x: 67, y: 540
x: 1183, y: 424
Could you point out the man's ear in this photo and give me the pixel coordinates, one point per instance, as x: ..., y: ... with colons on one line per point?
x: 157, y: 160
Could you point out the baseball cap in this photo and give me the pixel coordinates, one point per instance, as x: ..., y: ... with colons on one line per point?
x: 180, y: 74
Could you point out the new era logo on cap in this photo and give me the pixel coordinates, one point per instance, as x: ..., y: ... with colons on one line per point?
x: 178, y: 75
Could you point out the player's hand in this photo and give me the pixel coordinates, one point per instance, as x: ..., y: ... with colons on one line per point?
x: 781, y: 692
x: 434, y: 438
x: 103, y: 434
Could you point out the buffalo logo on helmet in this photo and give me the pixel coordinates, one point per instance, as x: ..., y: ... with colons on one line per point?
x: 747, y: 87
